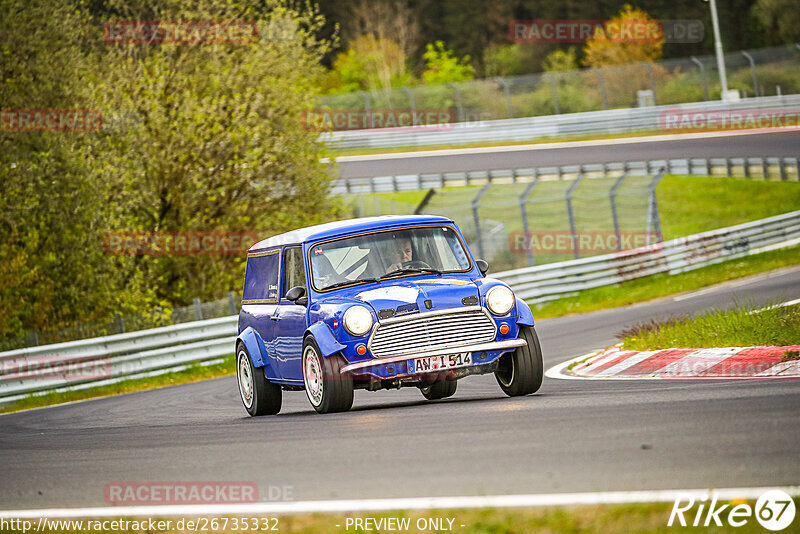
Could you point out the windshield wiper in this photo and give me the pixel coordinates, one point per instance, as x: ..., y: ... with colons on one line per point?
x: 348, y: 282
x: 411, y: 270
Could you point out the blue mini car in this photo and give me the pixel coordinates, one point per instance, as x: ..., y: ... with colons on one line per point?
x: 374, y: 303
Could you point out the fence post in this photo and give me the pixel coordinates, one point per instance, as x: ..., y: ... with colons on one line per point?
x: 411, y: 101
x: 458, y: 101
x: 33, y: 338
x: 729, y: 167
x: 756, y: 90
x: 603, y: 95
x: 504, y: 84
x: 649, y: 68
x: 198, y: 311
x: 572, y: 227
x: 232, y: 308
x: 118, y: 323
x: 554, y: 87
x: 702, y: 75
x: 368, y: 108
x: 765, y: 168
x: 653, y: 220
x: 746, y: 165
x: 523, y: 209
x: 612, y: 195
x: 476, y: 218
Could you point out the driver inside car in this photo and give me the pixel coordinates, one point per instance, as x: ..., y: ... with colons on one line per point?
x: 402, y: 253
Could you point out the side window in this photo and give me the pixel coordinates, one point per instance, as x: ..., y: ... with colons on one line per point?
x: 293, y: 272
x: 261, y: 278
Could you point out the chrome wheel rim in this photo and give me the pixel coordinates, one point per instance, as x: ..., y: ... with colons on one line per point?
x: 245, y: 379
x: 506, y: 376
x: 312, y: 375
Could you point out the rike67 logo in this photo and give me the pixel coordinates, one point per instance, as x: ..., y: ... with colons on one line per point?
x: 774, y: 510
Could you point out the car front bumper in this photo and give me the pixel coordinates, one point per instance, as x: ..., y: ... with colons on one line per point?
x: 504, y: 345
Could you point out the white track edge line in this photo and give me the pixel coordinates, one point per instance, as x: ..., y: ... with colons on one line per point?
x: 414, y: 503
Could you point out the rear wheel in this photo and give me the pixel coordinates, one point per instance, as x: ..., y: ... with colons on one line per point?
x: 259, y: 395
x: 327, y: 388
x: 439, y: 390
x: 520, y: 372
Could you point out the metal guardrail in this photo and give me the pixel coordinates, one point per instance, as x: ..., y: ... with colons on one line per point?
x: 555, y: 280
x: 592, y: 122
x: 783, y: 168
x: 49, y: 367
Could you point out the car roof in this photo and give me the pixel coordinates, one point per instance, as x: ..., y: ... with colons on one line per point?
x: 337, y: 228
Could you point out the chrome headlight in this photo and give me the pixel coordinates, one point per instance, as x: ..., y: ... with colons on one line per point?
x: 500, y: 300
x: 357, y: 320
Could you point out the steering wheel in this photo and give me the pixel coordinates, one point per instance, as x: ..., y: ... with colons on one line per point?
x: 414, y: 264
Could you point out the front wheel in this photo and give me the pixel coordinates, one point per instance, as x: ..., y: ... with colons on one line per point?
x: 259, y: 395
x: 520, y: 372
x: 440, y: 389
x: 328, y: 390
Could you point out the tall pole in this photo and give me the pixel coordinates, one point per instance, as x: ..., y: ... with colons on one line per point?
x: 723, y: 78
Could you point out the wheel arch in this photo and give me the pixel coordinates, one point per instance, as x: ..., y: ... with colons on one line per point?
x: 524, y: 313
x: 257, y: 351
x: 326, y: 342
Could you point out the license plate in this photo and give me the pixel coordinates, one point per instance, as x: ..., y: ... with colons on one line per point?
x: 439, y: 363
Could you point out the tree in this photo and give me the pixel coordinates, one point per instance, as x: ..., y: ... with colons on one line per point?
x: 370, y: 64
x: 781, y: 19
x: 216, y: 141
x: 443, y: 67
x: 608, y: 47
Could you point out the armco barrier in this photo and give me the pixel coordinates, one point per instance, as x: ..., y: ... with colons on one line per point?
x: 134, y: 353
x: 59, y: 365
x: 555, y: 280
x: 592, y: 122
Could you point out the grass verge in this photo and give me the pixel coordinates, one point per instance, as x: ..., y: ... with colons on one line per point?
x: 738, y: 327
x: 661, y: 285
x: 193, y: 373
x: 609, y: 519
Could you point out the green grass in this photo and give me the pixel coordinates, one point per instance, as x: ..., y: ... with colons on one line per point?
x: 194, y: 373
x: 693, y: 204
x: 661, y: 285
x: 648, y: 518
x: 741, y: 326
x: 687, y: 205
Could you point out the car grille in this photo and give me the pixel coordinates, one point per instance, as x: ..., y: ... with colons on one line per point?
x: 432, y: 331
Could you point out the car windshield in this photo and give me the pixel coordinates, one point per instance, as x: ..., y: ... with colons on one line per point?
x: 385, y: 254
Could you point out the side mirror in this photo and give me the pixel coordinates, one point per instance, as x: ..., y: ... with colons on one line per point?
x: 297, y: 295
x: 483, y: 267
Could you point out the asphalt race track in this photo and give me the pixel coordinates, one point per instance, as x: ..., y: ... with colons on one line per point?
x: 786, y: 144
x: 573, y: 435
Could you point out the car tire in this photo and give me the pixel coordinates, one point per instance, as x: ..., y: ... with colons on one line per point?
x: 439, y: 390
x: 520, y: 372
x: 259, y: 395
x: 328, y: 390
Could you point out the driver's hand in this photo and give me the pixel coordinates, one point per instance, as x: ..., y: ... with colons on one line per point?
x: 394, y: 267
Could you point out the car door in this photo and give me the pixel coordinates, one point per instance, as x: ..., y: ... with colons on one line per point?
x: 260, y: 300
x: 290, y: 318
